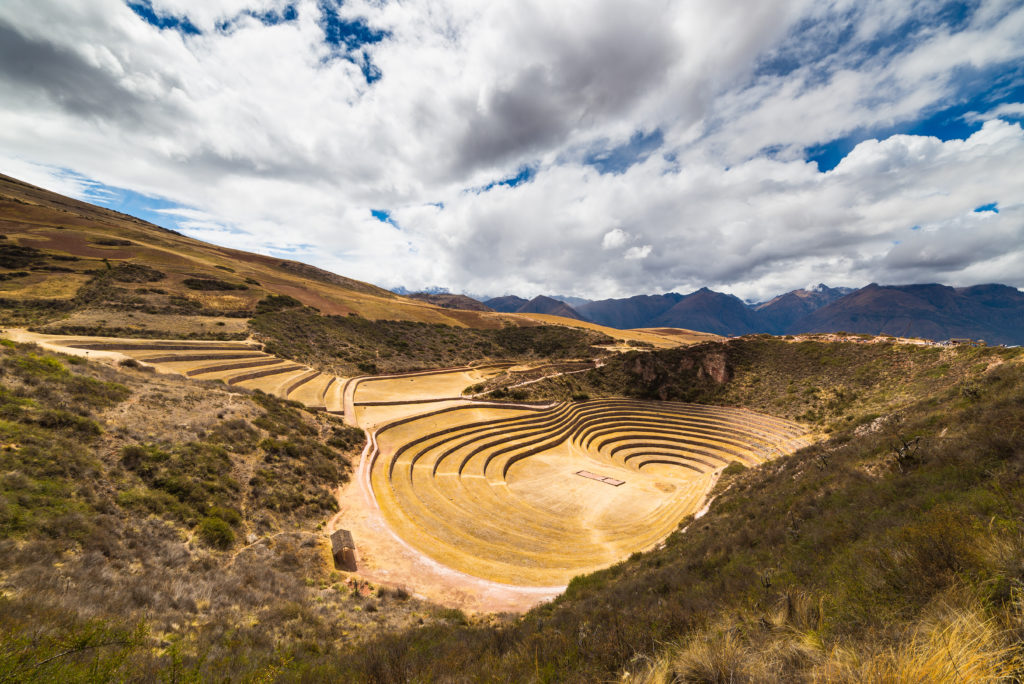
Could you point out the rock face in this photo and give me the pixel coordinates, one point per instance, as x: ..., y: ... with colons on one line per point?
x: 715, y: 366
x: 661, y: 376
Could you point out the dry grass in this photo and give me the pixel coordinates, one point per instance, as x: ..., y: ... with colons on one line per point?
x: 955, y: 642
x: 960, y: 643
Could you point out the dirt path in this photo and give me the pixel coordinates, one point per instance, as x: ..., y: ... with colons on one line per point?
x: 382, y: 557
x: 548, y: 377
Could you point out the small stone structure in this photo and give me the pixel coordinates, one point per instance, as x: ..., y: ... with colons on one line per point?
x: 344, y: 550
x: 600, y: 478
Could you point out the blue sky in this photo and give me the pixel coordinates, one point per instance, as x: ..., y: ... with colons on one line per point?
x: 592, y: 148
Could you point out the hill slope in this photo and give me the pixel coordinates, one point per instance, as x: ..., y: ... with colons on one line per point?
x: 507, y: 304
x: 69, y: 266
x: 451, y: 301
x: 710, y: 311
x: 635, y: 312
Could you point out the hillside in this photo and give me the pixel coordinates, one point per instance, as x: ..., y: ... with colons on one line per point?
x: 635, y: 312
x: 352, y: 345
x: 552, y: 307
x: 507, y: 304
x: 538, y: 305
x: 778, y: 315
x: 176, y: 511
x: 67, y: 266
x: 711, y: 311
x: 891, y: 548
x: 53, y: 247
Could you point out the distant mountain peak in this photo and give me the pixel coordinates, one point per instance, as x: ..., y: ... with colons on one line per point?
x: 547, y: 305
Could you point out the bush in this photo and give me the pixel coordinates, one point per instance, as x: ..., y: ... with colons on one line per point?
x: 135, y: 273
x: 17, y: 256
x: 734, y: 468
x: 228, y: 515
x: 216, y: 533
x: 211, y: 284
x: 272, y: 303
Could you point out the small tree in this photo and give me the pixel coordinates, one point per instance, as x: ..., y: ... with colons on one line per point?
x: 905, y: 452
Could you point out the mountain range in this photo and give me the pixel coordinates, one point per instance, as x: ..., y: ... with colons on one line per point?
x: 991, y: 312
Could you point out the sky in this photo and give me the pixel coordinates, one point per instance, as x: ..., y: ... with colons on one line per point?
x: 593, y: 148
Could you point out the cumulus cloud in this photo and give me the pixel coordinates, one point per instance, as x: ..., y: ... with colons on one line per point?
x: 616, y: 237
x: 666, y: 142
x: 637, y: 252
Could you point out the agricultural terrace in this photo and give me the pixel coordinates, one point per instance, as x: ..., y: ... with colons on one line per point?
x: 536, y: 495
x: 521, y: 495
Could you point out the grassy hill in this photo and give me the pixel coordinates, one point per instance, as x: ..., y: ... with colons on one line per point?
x: 59, y: 245
x: 833, y: 385
x: 892, y: 549
x: 142, y: 511
x: 353, y: 345
x: 72, y: 267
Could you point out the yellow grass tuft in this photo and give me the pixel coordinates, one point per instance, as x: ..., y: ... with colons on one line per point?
x: 964, y: 646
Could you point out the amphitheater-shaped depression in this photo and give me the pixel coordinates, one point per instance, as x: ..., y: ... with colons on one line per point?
x: 535, y: 496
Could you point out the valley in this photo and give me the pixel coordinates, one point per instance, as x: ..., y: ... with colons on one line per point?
x: 531, y: 497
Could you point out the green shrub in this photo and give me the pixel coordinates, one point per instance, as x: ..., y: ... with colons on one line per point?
x: 228, y: 515
x: 216, y: 533
x: 273, y: 302
x: 18, y: 256
x: 136, y: 273
x: 734, y: 468
x: 211, y: 284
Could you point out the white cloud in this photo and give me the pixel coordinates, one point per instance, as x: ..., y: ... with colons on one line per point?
x: 637, y: 252
x: 1007, y: 109
x: 616, y: 237
x: 272, y: 142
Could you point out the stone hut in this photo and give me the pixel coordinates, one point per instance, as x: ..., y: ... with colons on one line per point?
x: 344, y: 550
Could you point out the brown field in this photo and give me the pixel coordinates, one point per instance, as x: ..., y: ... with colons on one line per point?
x: 172, y: 324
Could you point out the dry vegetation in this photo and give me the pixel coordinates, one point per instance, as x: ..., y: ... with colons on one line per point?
x: 353, y: 345
x: 890, y: 551
x: 145, y: 511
